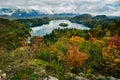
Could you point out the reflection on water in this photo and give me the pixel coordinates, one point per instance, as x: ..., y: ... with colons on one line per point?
x: 54, y: 24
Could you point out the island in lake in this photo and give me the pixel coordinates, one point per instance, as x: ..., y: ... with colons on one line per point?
x: 63, y: 24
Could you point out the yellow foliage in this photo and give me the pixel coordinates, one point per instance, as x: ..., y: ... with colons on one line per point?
x: 117, y: 60
x: 76, y: 39
x: 111, y: 54
x: 60, y: 56
x: 99, y: 43
x: 52, y: 49
x: 104, y: 54
x: 56, y: 52
x: 106, y: 39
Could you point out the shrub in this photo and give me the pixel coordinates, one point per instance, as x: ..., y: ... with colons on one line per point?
x: 43, y: 55
x: 22, y: 74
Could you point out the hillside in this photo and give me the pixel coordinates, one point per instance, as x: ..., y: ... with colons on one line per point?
x: 95, y: 21
x: 64, y: 54
x: 82, y: 18
x: 11, y: 33
x: 34, y: 21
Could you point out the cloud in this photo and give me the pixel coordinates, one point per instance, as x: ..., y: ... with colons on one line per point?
x: 109, y: 7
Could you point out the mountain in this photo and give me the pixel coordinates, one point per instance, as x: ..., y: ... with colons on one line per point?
x: 91, y: 21
x: 88, y: 17
x: 6, y: 11
x: 114, y: 17
x: 20, y: 13
x: 82, y: 18
x: 64, y: 15
x: 31, y: 13
x: 100, y: 17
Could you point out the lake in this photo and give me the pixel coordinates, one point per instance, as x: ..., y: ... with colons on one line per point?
x: 54, y: 24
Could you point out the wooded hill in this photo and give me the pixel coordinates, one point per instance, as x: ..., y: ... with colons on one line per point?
x: 11, y: 33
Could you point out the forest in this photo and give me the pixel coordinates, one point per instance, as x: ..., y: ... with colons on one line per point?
x: 34, y: 22
x: 65, y: 54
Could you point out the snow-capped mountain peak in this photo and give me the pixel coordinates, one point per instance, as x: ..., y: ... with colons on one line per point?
x: 20, y: 12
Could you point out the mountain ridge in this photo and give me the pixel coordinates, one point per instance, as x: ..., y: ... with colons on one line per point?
x: 23, y: 13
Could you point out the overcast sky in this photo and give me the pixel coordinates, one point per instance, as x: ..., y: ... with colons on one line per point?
x: 109, y: 7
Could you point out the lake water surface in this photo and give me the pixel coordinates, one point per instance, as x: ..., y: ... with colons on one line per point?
x: 54, y: 24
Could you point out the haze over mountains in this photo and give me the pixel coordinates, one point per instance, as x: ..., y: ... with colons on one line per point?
x: 31, y: 13
x: 95, y: 7
x: 9, y: 12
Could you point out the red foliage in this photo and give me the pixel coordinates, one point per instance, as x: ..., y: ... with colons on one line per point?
x: 90, y: 35
x: 37, y: 40
x: 116, y: 41
x: 37, y: 43
x: 91, y: 38
x: 23, y: 43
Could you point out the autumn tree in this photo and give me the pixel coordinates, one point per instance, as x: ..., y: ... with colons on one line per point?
x: 75, y: 58
x: 111, y: 55
x: 76, y: 39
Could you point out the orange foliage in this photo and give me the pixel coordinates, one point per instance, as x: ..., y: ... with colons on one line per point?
x: 2, y: 50
x: 75, y: 58
x: 92, y: 39
x: 37, y: 40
